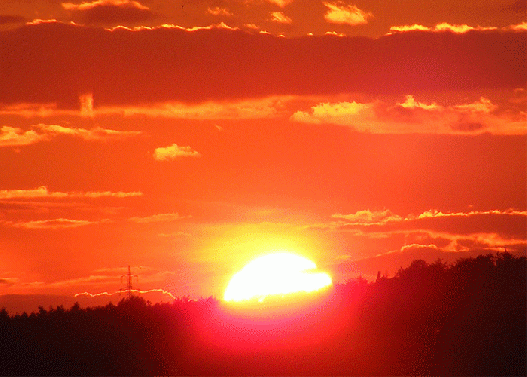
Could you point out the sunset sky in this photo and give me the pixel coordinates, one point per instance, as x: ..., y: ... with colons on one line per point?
x: 185, y: 138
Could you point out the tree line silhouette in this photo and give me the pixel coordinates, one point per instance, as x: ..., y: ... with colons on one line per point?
x: 467, y: 318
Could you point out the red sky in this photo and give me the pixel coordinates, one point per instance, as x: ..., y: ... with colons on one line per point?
x: 184, y: 138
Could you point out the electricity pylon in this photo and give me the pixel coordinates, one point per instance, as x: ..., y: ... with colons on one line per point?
x: 129, y: 278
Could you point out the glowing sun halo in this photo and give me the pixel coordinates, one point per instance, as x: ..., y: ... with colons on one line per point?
x: 275, y: 274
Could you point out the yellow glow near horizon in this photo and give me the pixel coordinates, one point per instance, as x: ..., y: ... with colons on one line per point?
x: 275, y: 274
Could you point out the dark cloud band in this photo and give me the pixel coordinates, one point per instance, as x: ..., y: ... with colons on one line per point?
x: 54, y: 62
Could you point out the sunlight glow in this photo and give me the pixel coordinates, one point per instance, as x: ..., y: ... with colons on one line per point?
x: 275, y: 274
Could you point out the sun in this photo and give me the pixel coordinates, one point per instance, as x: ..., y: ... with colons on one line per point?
x: 275, y: 274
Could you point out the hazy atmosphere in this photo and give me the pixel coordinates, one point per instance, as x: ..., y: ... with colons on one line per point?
x: 186, y: 138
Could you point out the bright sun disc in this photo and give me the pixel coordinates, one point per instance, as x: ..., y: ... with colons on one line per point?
x: 275, y: 274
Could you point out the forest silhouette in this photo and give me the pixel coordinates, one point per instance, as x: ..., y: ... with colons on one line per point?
x: 465, y: 318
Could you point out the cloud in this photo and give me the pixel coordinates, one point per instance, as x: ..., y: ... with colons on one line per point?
x: 105, y: 277
x: 110, y: 277
x: 388, y: 263
x: 59, y: 223
x: 409, y: 115
x: 489, y: 241
x: 217, y: 11
x: 12, y: 136
x: 327, y: 112
x: 436, y: 213
x: 429, y: 235
x: 167, y: 294
x: 43, y: 192
x: 242, y: 109
x: 86, y: 101
x: 174, y: 151
x: 35, y: 110
x: 442, y: 27
x: 411, y: 103
x: 492, y: 228
x: 412, y: 116
x: 281, y: 3
x: 8, y: 281
x: 96, y: 133
x: 455, y: 28
x: 281, y: 18
x: 101, y: 194
x: 245, y: 109
x: 334, y: 33
x: 413, y: 27
x: 98, y: 3
x: 256, y: 108
x: 42, y: 110
x: 341, y: 13
x: 228, y: 65
x: 417, y: 246
x: 109, y: 12
x: 40, y: 192
x: 160, y: 217
x: 193, y: 29
x: 483, y: 105
x: 460, y: 28
x: 368, y: 217
x: 519, y: 27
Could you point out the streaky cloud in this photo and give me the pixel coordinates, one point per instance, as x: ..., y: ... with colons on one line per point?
x: 43, y: 192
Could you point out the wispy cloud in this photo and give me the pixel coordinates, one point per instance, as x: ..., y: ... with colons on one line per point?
x: 281, y: 3
x: 8, y: 281
x: 519, y: 27
x: 341, y: 13
x: 441, y: 27
x: 455, y: 28
x: 238, y: 109
x: 368, y: 217
x: 11, y: 136
x: 450, y: 231
x: 174, y: 151
x: 193, y: 29
x: 96, y: 133
x: 99, y: 3
x: 43, y: 192
x: 109, y: 278
x: 280, y: 18
x: 217, y: 11
x: 413, y: 116
x: 59, y: 223
x: 160, y: 217
x: 119, y: 194
x: 436, y: 213
x: 134, y: 291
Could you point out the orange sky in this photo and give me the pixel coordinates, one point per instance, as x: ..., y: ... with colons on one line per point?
x: 189, y: 137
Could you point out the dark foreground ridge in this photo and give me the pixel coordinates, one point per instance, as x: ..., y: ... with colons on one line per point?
x: 463, y: 319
